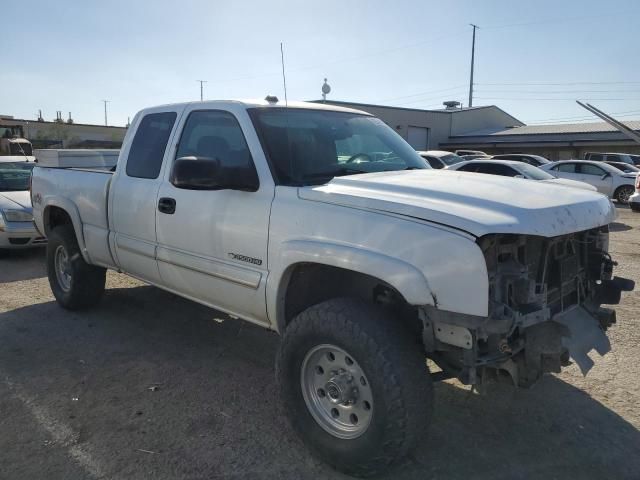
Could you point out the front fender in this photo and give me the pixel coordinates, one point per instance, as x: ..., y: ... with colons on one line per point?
x: 408, y: 280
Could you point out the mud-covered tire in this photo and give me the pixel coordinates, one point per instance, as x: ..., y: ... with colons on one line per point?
x: 83, y: 284
x: 394, y: 363
x: 623, y: 193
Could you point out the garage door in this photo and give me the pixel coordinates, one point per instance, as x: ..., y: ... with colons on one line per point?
x: 418, y: 137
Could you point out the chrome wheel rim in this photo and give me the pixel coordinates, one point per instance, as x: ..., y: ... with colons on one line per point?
x: 336, y: 391
x: 62, y: 266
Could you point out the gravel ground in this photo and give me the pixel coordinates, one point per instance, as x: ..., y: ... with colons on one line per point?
x: 149, y: 385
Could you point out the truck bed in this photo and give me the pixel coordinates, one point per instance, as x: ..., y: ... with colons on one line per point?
x: 83, y: 192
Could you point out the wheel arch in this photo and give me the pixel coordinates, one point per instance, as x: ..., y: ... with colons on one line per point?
x: 342, y: 271
x: 60, y: 211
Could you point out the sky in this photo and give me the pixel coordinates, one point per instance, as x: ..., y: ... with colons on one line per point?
x: 533, y: 58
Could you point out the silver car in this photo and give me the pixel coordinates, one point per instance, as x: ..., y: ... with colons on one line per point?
x: 17, y: 229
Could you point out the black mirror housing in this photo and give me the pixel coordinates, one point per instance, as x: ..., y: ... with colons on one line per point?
x: 201, y: 173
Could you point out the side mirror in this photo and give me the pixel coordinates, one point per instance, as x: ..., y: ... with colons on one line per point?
x: 201, y: 173
x: 605, y: 176
x: 193, y: 173
x: 519, y: 176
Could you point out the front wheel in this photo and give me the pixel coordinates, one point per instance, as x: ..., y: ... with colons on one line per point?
x: 354, y: 385
x: 74, y: 282
x: 624, y: 193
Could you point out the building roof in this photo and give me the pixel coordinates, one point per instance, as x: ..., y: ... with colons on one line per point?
x: 553, y: 129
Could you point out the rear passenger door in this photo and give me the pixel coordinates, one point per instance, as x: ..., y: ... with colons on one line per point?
x: 566, y: 170
x: 134, y: 192
x: 596, y: 176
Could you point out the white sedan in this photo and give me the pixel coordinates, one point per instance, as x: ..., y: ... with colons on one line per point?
x: 609, y: 180
x: 513, y: 168
x: 16, y: 218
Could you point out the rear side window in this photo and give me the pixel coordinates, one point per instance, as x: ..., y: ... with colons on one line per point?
x: 434, y: 162
x: 595, y: 156
x: 614, y: 158
x: 497, y: 169
x: 149, y: 145
x: 589, y: 169
x: 471, y: 167
x: 566, y: 168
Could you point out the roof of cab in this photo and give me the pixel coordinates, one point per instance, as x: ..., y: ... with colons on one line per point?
x: 257, y: 103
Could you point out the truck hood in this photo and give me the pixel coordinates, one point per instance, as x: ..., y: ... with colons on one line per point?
x: 477, y: 204
x: 570, y: 183
x: 15, y: 200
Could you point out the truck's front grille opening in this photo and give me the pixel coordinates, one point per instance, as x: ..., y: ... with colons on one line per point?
x: 528, y: 273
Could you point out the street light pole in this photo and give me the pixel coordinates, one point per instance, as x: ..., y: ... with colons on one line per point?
x: 201, y: 89
x: 105, y: 112
x: 473, y: 55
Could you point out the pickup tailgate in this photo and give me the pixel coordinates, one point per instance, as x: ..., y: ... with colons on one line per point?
x: 83, y: 194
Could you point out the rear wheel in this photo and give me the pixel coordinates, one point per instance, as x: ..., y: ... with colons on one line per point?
x: 74, y: 282
x: 624, y: 193
x: 354, y: 385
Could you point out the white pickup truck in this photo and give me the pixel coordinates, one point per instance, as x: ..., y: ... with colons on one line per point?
x: 322, y: 224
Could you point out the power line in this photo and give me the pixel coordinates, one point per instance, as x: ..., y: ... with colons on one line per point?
x: 531, y: 84
x: 626, y: 112
x: 560, y: 99
x: 557, y: 91
x: 557, y: 20
x: 428, y: 92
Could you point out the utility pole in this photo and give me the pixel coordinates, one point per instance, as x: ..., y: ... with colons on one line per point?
x: 105, y: 112
x: 473, y: 55
x: 201, y: 91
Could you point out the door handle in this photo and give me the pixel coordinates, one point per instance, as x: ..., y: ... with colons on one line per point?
x: 167, y: 205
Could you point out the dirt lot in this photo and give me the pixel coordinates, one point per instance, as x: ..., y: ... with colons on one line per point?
x: 152, y: 386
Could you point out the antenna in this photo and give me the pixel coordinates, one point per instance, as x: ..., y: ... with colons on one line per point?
x: 284, y: 78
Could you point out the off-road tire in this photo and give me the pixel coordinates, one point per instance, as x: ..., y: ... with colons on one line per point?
x: 87, y: 281
x: 623, y: 193
x: 395, y: 365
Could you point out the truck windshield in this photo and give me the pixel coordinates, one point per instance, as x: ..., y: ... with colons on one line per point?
x: 14, y: 176
x: 310, y: 147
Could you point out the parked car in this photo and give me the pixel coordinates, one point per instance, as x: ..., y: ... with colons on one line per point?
x: 607, y: 179
x: 535, y: 160
x: 474, y: 156
x: 16, y: 218
x: 321, y: 223
x: 624, y: 167
x: 613, y: 157
x: 512, y: 168
x: 634, y: 200
x: 470, y: 152
x: 439, y: 158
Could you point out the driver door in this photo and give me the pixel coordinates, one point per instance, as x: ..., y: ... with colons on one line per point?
x: 212, y: 244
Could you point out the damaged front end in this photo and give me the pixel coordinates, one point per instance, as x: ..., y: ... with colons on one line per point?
x: 545, y: 297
